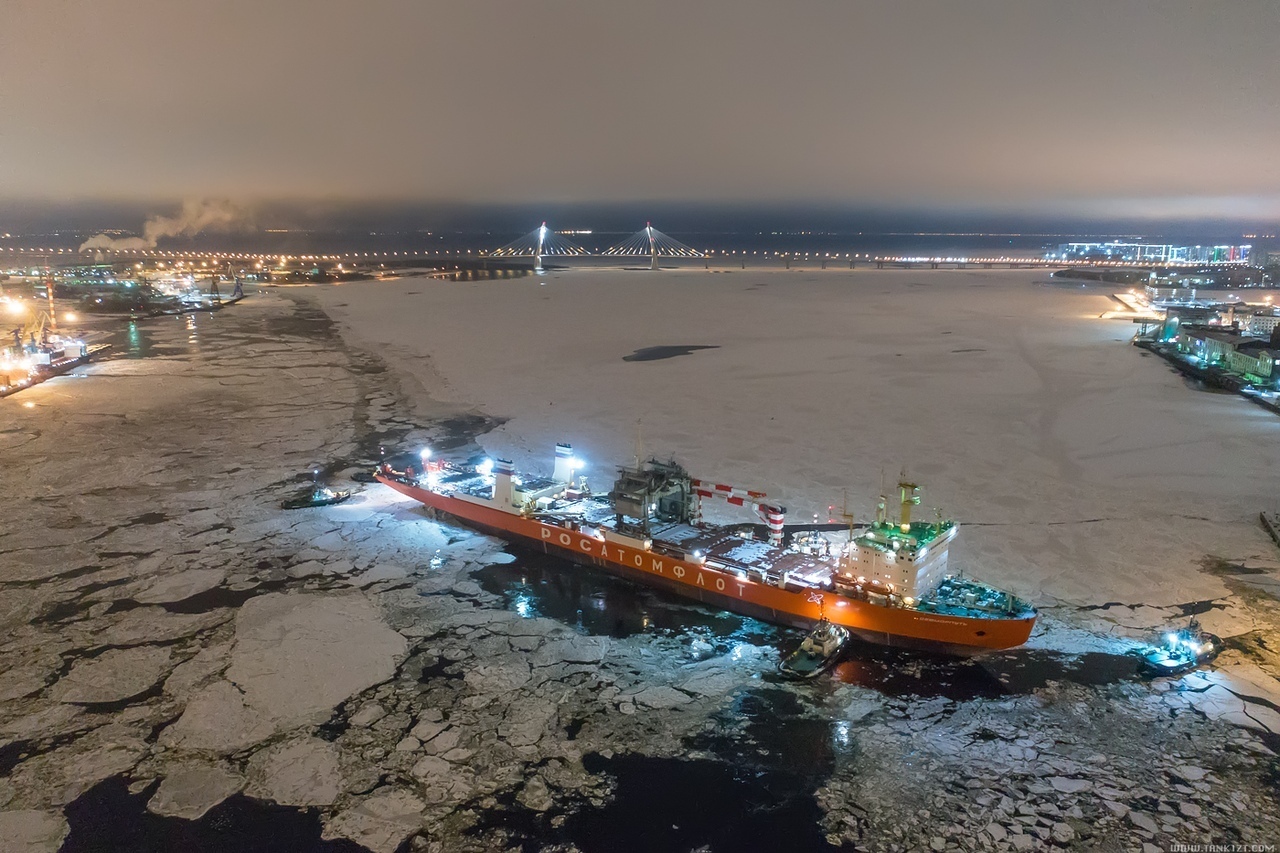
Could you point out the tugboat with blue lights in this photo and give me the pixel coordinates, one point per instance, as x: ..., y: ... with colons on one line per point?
x: 817, y: 653
x: 890, y: 584
x: 1182, y: 651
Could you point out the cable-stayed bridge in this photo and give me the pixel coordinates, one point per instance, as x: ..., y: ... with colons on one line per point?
x: 543, y: 242
x: 651, y: 242
x: 648, y: 242
x: 539, y: 243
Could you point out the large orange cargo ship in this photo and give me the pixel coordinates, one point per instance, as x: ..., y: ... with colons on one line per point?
x: 888, y: 584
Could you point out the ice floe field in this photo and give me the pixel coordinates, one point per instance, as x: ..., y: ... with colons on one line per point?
x: 185, y: 665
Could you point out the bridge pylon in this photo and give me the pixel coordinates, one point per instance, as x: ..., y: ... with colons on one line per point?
x: 652, y: 242
x: 539, y: 243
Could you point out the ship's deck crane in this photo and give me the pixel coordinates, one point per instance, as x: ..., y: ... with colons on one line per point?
x: 772, y: 514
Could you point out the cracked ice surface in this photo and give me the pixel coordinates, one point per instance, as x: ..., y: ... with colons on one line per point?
x: 1066, y: 455
x: 190, y: 791
x: 115, y: 675
x: 32, y: 831
x: 346, y: 659
x: 299, y: 655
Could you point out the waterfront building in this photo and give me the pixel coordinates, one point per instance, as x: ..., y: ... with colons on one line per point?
x: 1263, y: 325
x: 1156, y: 294
x: 1254, y: 360
x: 1210, y: 344
x: 1152, y: 253
x: 1228, y: 348
x: 1175, y: 316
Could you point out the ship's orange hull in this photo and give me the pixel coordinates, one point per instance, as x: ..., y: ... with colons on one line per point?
x: 891, y: 626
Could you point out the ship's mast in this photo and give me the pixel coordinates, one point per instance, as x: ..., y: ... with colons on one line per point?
x: 639, y: 444
x: 846, y: 515
x: 48, y: 292
x: 910, y: 497
x: 882, y: 512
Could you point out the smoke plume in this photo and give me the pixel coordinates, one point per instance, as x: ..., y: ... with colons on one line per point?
x: 195, y: 216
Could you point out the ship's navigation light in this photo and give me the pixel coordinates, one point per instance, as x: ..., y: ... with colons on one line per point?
x: 425, y: 453
x: 576, y: 464
x: 485, y: 467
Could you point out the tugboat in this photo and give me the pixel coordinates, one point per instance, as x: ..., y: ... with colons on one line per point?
x: 818, y: 653
x: 1182, y: 651
x: 318, y: 496
x: 891, y: 584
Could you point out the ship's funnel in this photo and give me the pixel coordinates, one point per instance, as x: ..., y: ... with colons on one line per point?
x: 910, y: 498
x: 564, y: 464
x: 503, y: 494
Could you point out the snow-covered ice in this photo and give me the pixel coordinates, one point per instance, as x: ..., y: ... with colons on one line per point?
x: 164, y: 621
x: 299, y: 655
x: 1083, y: 471
x: 188, y: 791
x: 28, y: 831
x: 301, y: 772
x: 114, y: 675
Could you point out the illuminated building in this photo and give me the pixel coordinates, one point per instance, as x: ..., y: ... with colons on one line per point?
x: 1153, y: 253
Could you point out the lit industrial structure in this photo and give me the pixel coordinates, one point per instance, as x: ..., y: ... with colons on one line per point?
x: 1152, y: 253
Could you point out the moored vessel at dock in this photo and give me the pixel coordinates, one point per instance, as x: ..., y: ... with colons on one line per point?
x: 888, y: 584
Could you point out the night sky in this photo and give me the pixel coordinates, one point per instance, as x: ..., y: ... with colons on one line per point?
x: 1158, y: 108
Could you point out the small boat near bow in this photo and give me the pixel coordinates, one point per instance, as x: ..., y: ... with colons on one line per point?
x: 1182, y: 651
x: 317, y: 497
x: 819, y: 652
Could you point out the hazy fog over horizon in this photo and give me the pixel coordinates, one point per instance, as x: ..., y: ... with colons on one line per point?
x: 1084, y: 110
x: 222, y: 224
